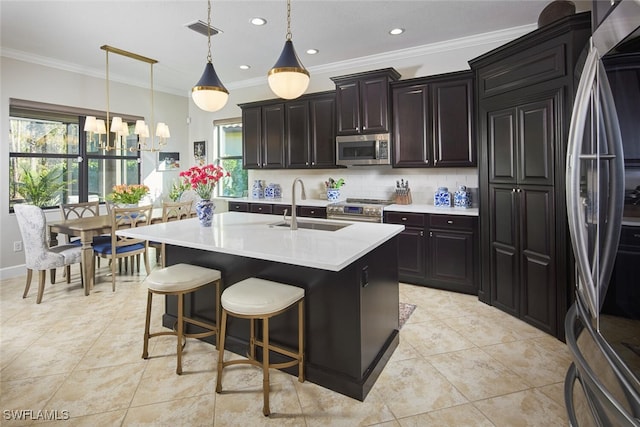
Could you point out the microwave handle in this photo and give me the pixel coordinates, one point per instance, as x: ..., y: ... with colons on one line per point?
x: 377, y: 149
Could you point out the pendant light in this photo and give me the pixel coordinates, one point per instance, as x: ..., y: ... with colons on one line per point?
x: 209, y: 93
x: 288, y: 79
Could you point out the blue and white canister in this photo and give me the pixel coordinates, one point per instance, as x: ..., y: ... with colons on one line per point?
x: 257, y: 191
x: 270, y: 192
x: 442, y: 197
x: 462, y: 198
x: 277, y: 191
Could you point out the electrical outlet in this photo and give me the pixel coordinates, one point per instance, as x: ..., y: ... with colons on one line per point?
x: 17, y: 246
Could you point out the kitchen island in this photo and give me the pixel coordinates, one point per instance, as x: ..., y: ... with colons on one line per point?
x: 350, y: 277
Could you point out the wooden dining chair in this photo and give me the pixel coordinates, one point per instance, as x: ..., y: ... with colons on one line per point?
x: 171, y: 211
x: 120, y: 246
x: 38, y: 255
x: 81, y: 210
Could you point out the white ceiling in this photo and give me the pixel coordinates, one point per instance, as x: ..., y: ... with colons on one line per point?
x: 68, y: 34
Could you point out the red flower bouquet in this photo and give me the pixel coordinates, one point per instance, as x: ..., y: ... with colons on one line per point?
x: 203, y: 179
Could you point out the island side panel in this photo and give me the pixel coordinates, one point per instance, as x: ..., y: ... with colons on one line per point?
x: 351, y: 316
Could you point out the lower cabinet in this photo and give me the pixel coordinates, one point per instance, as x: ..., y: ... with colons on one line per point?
x: 439, y: 251
x: 278, y: 209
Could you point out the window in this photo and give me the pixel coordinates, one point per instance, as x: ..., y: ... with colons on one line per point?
x: 228, y: 142
x: 51, y: 161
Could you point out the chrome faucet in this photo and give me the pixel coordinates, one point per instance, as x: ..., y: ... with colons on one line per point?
x: 294, y: 222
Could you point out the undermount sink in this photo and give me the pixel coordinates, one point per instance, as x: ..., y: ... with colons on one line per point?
x: 312, y: 225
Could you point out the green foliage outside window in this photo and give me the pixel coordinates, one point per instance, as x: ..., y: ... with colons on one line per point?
x: 43, y: 188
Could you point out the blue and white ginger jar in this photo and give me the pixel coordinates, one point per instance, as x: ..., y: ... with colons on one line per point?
x: 442, y: 197
x: 257, y: 191
x: 462, y: 198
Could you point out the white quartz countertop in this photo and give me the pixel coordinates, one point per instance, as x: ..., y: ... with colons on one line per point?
x: 431, y: 209
x: 251, y: 235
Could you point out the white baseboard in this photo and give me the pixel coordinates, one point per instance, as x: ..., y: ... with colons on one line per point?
x: 13, y: 271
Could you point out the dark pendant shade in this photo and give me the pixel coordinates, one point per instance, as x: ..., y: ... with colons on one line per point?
x: 288, y: 78
x: 209, y: 93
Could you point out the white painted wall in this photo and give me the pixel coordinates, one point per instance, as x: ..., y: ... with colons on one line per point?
x: 40, y: 83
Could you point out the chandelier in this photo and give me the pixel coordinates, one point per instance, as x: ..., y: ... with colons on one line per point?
x: 120, y: 127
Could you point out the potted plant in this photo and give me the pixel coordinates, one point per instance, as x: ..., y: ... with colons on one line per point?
x: 177, y: 189
x: 128, y: 194
x: 333, y: 188
x: 41, y: 188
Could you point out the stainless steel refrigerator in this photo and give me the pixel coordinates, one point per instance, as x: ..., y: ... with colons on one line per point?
x: 602, y: 385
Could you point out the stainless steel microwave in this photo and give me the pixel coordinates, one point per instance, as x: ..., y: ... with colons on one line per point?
x: 363, y: 150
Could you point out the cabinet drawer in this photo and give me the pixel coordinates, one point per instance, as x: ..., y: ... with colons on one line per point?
x: 404, y: 218
x: 452, y: 221
x: 262, y: 208
x: 279, y: 209
x: 312, y: 212
x: 238, y: 207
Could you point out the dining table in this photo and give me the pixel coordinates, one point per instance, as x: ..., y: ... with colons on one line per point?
x: 87, y: 228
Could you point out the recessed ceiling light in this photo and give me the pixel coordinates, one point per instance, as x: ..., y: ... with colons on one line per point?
x: 396, y: 31
x: 245, y: 67
x: 258, y: 21
x: 312, y: 51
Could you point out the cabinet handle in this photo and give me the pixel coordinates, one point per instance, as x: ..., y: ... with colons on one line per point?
x: 422, y: 234
x: 431, y: 234
x: 513, y: 190
x: 404, y: 218
x: 519, y: 190
x: 313, y: 163
x: 449, y: 221
x: 312, y: 212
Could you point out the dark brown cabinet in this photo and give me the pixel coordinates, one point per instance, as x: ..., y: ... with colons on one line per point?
x: 411, y: 246
x: 362, y: 102
x: 452, y: 253
x: 524, y: 94
x: 263, y: 136
x: 277, y: 209
x: 432, y: 123
x: 439, y: 251
x: 293, y: 134
x: 310, y: 132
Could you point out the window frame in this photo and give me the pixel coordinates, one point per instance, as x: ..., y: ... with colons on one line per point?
x: 19, y: 108
x: 219, y: 158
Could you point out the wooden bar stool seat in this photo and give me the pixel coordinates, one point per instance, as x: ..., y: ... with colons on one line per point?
x: 254, y: 299
x: 179, y: 280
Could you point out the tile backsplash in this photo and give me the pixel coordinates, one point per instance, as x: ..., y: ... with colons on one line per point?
x: 372, y: 182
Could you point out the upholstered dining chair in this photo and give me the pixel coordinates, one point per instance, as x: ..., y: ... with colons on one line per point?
x: 171, y: 211
x: 38, y: 255
x: 121, y: 246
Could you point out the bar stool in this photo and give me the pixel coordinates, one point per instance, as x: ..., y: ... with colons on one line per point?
x: 253, y: 299
x: 181, y: 279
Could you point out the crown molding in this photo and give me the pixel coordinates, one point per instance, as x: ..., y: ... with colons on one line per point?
x: 494, y: 37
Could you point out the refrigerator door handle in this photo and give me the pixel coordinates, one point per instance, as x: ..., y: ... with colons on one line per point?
x: 594, y: 101
x: 576, y: 205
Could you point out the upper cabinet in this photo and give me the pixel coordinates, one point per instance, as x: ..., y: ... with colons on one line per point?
x: 292, y: 134
x: 263, y: 136
x: 310, y: 132
x: 433, y: 119
x: 362, y: 102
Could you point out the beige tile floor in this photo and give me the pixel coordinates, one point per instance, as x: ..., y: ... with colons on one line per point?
x: 459, y: 363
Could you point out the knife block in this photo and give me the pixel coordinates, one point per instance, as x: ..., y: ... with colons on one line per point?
x: 403, y: 197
